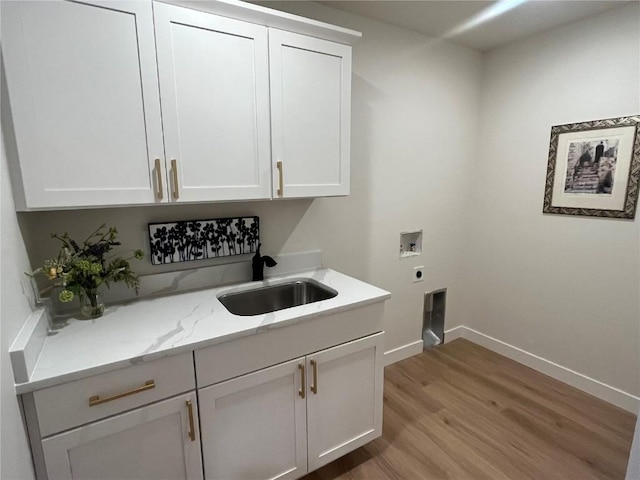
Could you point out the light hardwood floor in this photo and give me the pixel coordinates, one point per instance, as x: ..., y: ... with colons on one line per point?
x: 460, y: 411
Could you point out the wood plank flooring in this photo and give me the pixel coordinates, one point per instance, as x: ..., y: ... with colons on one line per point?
x: 460, y: 411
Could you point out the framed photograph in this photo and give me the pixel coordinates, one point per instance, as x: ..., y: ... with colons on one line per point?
x: 594, y: 168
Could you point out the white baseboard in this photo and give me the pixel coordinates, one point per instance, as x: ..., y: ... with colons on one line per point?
x: 414, y: 348
x: 582, y: 382
x: 400, y: 353
x: 454, y: 333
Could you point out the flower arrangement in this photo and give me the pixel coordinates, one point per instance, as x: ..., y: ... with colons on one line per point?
x: 81, y: 269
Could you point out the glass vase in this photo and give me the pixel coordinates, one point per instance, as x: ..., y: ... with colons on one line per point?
x: 91, y: 305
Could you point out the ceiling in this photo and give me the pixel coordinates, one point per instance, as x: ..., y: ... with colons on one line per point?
x: 459, y: 21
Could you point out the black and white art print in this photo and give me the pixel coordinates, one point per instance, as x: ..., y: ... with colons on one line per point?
x: 591, y: 166
x: 594, y: 168
x: 189, y: 240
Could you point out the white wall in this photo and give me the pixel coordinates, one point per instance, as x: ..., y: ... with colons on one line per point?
x: 414, y: 120
x: 15, y: 459
x: 561, y: 287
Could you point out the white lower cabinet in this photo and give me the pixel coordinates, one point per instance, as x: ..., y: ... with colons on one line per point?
x: 159, y: 441
x: 344, y: 406
x: 292, y: 418
x: 254, y: 426
x: 274, y: 405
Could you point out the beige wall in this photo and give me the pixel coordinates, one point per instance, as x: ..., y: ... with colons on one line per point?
x: 561, y: 287
x: 414, y: 110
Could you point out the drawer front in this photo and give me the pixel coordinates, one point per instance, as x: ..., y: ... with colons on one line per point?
x: 247, y: 354
x: 82, y: 401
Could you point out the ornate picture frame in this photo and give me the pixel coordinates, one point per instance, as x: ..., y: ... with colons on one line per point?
x: 594, y: 168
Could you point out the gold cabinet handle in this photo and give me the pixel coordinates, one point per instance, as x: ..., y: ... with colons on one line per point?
x: 302, y: 391
x: 96, y: 400
x: 280, y: 179
x: 174, y: 172
x: 192, y: 430
x: 314, y: 387
x: 159, y: 191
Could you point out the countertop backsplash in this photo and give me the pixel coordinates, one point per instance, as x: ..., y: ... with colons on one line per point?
x: 41, y: 324
x: 236, y: 271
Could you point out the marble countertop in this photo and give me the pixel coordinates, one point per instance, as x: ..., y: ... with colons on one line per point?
x: 154, y: 327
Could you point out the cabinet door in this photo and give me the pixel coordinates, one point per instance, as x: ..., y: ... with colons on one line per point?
x: 83, y: 91
x: 253, y: 427
x: 154, y: 442
x: 310, y: 114
x: 344, y: 404
x: 214, y: 87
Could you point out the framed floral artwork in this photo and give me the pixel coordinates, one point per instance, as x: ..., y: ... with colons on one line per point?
x: 594, y: 168
x: 190, y: 240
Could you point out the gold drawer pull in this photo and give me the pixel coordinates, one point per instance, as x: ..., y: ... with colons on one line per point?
x: 160, y: 191
x: 304, y: 383
x: 93, y: 401
x: 192, y: 430
x: 174, y: 171
x: 280, y: 179
x: 314, y: 387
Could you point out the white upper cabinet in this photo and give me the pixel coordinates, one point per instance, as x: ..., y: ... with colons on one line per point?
x: 214, y: 84
x: 83, y: 90
x: 129, y: 102
x: 310, y: 115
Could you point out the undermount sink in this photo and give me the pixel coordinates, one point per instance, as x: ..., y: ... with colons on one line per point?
x: 276, y: 297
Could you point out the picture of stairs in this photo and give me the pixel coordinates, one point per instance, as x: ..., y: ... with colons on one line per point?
x: 585, y: 180
x: 591, y: 166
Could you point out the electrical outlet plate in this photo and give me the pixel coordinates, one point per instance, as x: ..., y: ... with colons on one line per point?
x: 418, y: 274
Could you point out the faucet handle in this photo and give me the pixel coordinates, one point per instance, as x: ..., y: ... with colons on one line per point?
x: 268, y: 261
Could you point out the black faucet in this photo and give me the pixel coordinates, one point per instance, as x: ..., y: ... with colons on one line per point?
x: 258, y: 262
